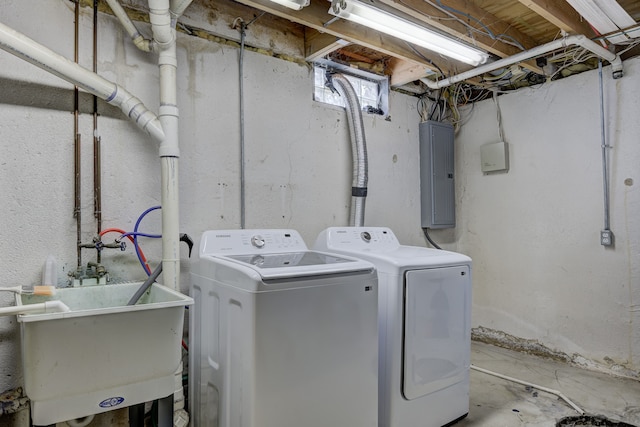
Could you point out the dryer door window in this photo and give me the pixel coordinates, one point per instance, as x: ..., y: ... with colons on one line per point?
x: 436, y: 329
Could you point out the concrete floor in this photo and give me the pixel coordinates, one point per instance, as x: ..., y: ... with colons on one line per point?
x: 499, y: 403
x: 496, y: 402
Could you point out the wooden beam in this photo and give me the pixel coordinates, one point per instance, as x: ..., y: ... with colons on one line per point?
x: 316, y: 15
x: 403, y: 72
x: 561, y: 14
x: 317, y: 44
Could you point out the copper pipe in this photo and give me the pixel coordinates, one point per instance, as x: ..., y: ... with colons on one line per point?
x: 77, y: 158
x: 97, y: 172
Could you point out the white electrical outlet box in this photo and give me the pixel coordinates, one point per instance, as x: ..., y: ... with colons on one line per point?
x: 495, y: 157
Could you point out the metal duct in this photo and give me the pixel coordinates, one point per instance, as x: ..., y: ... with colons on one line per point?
x: 358, y: 147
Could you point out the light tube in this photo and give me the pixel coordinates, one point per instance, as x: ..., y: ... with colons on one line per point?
x: 606, y: 16
x: 401, y: 28
x: 292, y: 4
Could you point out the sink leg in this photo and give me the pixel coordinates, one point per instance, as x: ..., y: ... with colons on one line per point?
x: 136, y: 415
x: 38, y: 425
x: 165, y: 411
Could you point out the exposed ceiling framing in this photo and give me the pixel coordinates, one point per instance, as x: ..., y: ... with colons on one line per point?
x: 502, y: 28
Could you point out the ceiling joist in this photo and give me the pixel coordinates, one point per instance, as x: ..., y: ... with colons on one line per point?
x: 318, y: 45
x: 561, y: 14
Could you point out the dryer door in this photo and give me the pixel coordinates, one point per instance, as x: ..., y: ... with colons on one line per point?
x: 437, y: 334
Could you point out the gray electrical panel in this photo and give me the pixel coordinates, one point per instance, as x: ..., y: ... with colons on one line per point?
x: 436, y: 175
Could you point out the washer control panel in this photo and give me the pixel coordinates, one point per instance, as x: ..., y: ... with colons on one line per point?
x: 359, y: 238
x: 258, y: 241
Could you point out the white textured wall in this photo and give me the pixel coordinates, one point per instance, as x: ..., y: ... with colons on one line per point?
x: 298, y: 155
x: 533, y: 233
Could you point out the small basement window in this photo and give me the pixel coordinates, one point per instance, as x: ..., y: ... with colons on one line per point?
x: 372, y: 89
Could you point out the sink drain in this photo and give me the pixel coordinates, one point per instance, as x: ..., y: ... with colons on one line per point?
x: 590, y: 420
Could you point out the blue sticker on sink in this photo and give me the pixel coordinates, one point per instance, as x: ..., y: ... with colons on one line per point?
x: 111, y: 402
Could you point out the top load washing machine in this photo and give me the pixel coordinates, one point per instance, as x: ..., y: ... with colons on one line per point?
x: 281, y: 336
x: 424, y: 325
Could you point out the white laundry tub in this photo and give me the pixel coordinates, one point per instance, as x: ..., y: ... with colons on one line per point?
x: 102, y: 354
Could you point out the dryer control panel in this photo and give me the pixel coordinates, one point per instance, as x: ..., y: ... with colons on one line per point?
x: 234, y: 242
x: 378, y: 239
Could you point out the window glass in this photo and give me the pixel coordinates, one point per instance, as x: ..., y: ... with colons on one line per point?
x: 372, y: 93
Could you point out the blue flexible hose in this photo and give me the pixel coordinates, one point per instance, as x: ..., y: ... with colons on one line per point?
x: 135, y: 237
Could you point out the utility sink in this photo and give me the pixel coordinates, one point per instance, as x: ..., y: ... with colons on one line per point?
x: 102, y: 354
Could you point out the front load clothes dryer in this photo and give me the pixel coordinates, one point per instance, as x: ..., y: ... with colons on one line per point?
x: 281, y: 336
x: 424, y: 324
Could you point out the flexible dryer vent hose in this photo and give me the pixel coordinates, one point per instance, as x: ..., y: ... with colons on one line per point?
x: 358, y: 146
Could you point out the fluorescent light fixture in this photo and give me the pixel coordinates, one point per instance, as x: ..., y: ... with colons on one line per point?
x: 293, y: 4
x: 389, y: 23
x: 606, y: 16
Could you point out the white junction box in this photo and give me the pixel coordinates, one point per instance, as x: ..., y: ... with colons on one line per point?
x: 494, y: 157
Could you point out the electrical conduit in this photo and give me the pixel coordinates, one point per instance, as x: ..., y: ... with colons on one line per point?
x: 605, y: 151
x: 580, y: 40
x: 358, y: 148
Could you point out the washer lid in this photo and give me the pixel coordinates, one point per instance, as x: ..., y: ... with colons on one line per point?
x: 273, y: 266
x: 273, y: 254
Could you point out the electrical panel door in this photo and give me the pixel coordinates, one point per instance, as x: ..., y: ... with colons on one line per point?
x: 436, y: 175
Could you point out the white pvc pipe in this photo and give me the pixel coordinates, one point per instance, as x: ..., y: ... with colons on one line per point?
x: 160, y: 19
x: 580, y: 40
x: 165, y: 37
x: 138, y: 39
x: 178, y: 7
x: 42, y: 57
x: 170, y: 223
x: 528, y: 384
x: 44, y: 307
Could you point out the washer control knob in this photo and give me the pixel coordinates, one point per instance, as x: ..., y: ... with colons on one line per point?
x: 366, y: 236
x: 257, y: 260
x: 258, y: 241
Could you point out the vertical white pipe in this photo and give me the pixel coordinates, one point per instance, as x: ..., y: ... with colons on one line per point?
x: 170, y: 223
x: 165, y: 38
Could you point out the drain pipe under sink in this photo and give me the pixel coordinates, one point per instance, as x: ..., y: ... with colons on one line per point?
x: 358, y: 147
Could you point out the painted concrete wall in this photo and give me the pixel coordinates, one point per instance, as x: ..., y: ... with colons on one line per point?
x: 298, y: 172
x: 533, y: 233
